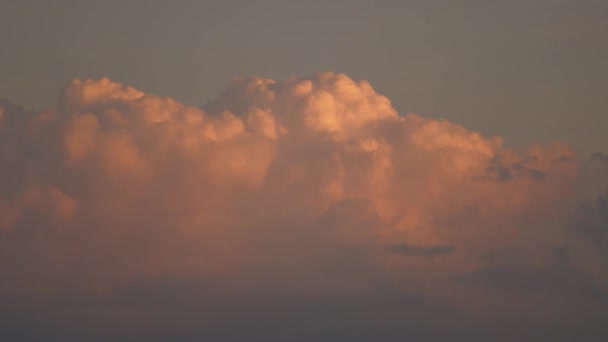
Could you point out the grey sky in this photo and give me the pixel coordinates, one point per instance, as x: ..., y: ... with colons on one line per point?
x: 526, y: 70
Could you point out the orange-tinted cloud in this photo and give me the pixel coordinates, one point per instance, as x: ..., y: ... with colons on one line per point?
x: 304, y: 188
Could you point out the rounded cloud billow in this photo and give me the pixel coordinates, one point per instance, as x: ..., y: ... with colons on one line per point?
x: 306, y: 190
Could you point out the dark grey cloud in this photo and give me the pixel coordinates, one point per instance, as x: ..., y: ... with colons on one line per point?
x: 422, y: 251
x: 599, y: 156
x: 562, y: 277
x: 591, y: 220
x: 500, y: 171
x: 197, y: 309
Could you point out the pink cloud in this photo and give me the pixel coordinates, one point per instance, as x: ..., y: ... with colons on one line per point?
x: 305, y: 186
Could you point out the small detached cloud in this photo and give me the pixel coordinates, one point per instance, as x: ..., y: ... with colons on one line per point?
x: 418, y: 251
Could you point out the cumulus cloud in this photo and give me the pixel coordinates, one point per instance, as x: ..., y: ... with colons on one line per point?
x: 301, y: 190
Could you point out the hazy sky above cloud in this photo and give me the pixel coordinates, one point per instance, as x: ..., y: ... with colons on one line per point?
x: 316, y: 171
x: 526, y: 70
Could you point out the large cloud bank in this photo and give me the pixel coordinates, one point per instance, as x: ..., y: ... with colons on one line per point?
x: 305, y: 207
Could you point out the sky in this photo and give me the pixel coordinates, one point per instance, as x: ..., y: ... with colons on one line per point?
x: 526, y: 70
x: 366, y: 170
